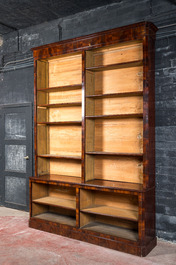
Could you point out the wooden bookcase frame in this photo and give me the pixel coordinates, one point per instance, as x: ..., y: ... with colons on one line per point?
x: 94, y: 116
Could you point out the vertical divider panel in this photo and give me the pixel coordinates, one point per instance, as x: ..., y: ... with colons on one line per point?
x: 41, y: 81
x: 35, y: 119
x: 141, y: 222
x: 145, y: 112
x: 77, y: 207
x: 83, y: 114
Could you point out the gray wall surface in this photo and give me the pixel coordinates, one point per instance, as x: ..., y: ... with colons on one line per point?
x: 16, y: 86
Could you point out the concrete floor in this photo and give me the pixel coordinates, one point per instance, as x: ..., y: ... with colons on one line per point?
x: 21, y: 245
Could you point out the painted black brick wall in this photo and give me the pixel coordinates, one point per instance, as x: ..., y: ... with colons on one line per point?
x: 17, y: 86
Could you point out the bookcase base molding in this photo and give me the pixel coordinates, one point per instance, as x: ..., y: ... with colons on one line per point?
x: 76, y: 233
x: 94, y: 128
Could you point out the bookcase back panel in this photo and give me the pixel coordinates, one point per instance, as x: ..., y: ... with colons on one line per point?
x: 65, y: 96
x: 56, y: 114
x: 93, y: 199
x: 66, y: 70
x: 65, y: 114
x: 115, y: 54
x: 115, y: 81
x: 116, y: 105
x: 114, y: 168
x: 65, y: 167
x: 66, y: 193
x: 65, y: 140
x: 116, y: 135
x: 62, y: 211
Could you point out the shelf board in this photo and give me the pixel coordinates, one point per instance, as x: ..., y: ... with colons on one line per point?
x: 113, y: 212
x: 57, y: 218
x: 59, y: 178
x: 114, y: 154
x: 116, y: 116
x: 59, y: 156
x: 68, y: 104
x: 112, y: 230
x: 115, y: 66
x: 60, y: 88
x: 61, y: 123
x: 115, y: 184
x: 53, y: 201
x: 120, y: 94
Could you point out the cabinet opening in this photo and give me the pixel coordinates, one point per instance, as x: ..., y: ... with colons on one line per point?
x: 114, y: 169
x: 54, y: 203
x: 117, y: 205
x: 62, y: 168
x: 115, y: 135
x: 114, y: 106
x: 109, y: 226
x: 64, y: 140
x: 119, y: 53
x: 65, y: 70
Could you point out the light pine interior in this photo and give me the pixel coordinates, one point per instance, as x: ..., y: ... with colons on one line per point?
x: 121, y: 53
x: 52, y: 199
x: 124, y: 135
x: 114, y: 106
x: 112, y: 134
x: 114, y: 168
x: 59, y: 99
x: 106, y: 212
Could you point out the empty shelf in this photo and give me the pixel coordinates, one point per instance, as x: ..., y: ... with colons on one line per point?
x: 114, y: 154
x: 115, y: 66
x: 112, y: 230
x: 112, y: 95
x: 115, y: 184
x: 53, y: 201
x: 61, y: 88
x: 59, y: 178
x: 57, y: 218
x: 61, y: 123
x: 116, y: 116
x: 59, y: 156
x: 68, y: 104
x: 113, y: 212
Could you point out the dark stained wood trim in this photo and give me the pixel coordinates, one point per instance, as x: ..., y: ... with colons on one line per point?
x: 103, y: 240
x: 96, y: 40
x: 83, y: 114
x: 35, y: 115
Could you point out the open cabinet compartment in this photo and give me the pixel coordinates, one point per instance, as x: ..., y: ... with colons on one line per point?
x: 54, y: 203
x: 109, y: 213
x: 59, y: 118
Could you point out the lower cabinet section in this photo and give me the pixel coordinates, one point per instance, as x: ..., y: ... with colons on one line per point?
x: 113, y: 218
x: 54, y: 203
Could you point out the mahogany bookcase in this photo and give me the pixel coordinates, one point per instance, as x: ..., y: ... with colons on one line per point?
x: 94, y: 115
